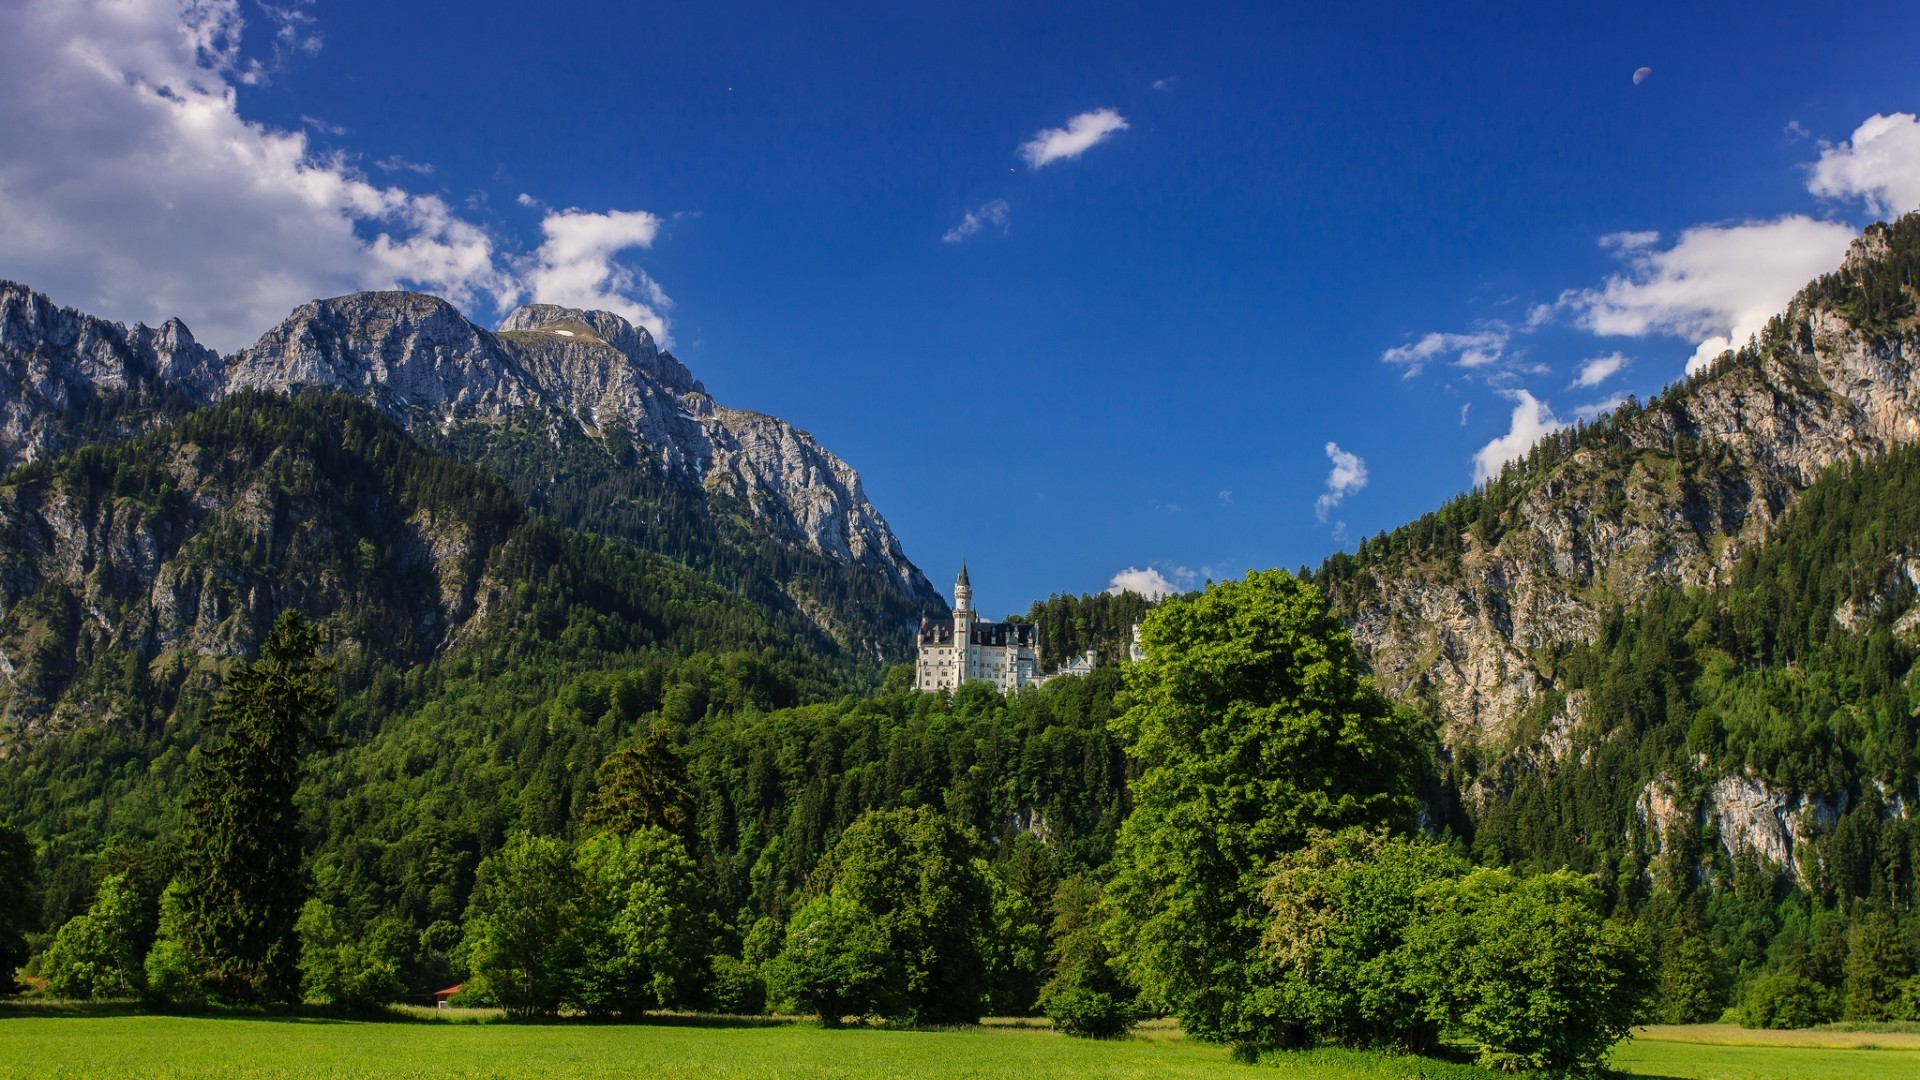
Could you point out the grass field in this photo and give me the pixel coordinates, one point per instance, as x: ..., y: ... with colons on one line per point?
x: 95, y: 1043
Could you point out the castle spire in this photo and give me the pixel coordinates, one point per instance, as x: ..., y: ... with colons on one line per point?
x: 962, y: 590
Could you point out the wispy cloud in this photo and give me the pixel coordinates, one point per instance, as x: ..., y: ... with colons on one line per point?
x: 1590, y: 412
x: 1480, y: 348
x: 1082, y: 133
x: 1599, y: 369
x: 1167, y: 83
x: 1349, y: 474
x: 994, y: 214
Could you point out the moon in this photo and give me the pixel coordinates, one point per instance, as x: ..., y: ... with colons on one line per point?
x: 1640, y: 75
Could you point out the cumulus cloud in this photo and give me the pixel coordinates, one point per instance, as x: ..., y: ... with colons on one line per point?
x: 1146, y: 581
x: 131, y: 185
x: 1879, y: 165
x: 1349, y: 474
x: 994, y: 213
x: 576, y: 267
x: 1532, y: 419
x: 1715, y: 286
x: 1599, y: 369
x: 1082, y: 133
x: 1475, y: 350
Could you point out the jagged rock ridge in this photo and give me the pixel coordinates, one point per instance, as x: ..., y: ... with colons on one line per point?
x: 419, y: 360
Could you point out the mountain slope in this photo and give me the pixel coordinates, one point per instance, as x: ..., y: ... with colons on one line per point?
x: 129, y: 573
x: 1462, y: 610
x: 580, y: 411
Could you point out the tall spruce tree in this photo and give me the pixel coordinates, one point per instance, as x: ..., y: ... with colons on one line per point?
x: 242, y: 882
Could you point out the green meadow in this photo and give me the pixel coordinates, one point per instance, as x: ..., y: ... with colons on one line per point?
x: 100, y: 1043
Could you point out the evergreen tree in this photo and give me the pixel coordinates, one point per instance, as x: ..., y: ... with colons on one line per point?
x: 19, y: 902
x: 243, y: 886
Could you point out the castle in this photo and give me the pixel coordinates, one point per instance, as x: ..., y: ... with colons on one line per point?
x: 964, y: 649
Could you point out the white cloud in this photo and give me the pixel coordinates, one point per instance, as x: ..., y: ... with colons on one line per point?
x: 1589, y: 412
x: 1532, y: 419
x: 131, y: 186
x: 1146, y: 581
x: 575, y: 267
x: 994, y: 213
x: 1715, y: 286
x: 1478, y: 349
x: 1167, y: 83
x: 1349, y: 474
x: 1880, y: 165
x: 1598, y: 370
x: 1081, y: 134
x: 1226, y: 498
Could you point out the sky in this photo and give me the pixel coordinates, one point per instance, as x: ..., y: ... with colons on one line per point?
x: 1092, y: 295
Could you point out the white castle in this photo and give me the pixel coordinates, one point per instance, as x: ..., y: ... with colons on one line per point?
x: 964, y: 649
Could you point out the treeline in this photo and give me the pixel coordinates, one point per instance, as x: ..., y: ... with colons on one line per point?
x: 1103, y: 622
x: 1255, y: 870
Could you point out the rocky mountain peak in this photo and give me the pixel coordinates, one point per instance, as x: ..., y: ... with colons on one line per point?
x: 603, y: 328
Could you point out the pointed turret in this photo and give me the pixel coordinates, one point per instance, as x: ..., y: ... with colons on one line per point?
x: 962, y: 590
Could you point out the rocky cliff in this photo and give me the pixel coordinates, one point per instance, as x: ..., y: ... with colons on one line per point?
x: 1463, y: 610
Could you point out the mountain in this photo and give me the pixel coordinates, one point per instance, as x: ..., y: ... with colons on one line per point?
x: 129, y: 573
x: 579, y: 411
x: 1500, y: 613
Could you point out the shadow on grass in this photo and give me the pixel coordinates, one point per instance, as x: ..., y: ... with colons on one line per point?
x: 23, y: 1008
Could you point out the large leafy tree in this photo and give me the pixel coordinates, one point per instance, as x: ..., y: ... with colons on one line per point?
x: 1342, y: 908
x: 643, y: 786
x: 644, y: 931
x: 1528, y: 969
x: 243, y: 886
x: 519, y: 940
x: 98, y: 954
x: 1251, y: 724
x: 919, y: 877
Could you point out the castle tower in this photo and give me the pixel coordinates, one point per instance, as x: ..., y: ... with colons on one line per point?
x: 962, y: 592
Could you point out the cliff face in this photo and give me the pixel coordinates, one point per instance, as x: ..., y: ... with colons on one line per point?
x: 1666, y: 494
x: 584, y: 376
x: 67, y: 377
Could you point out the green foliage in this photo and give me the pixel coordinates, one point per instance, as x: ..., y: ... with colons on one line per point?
x: 1088, y: 1014
x: 643, y: 933
x: 175, y: 975
x: 1528, y: 969
x: 19, y: 902
x: 1013, y: 951
x: 353, y: 970
x: 920, y: 879
x: 519, y: 940
x: 1085, y: 994
x: 645, y: 786
x: 1103, y: 622
x: 1251, y: 725
x: 99, y: 954
x: 243, y: 875
x: 1786, y: 999
x: 1879, y: 960
x: 1693, y: 981
x: 735, y: 987
x: 837, y: 962
x: 1342, y: 909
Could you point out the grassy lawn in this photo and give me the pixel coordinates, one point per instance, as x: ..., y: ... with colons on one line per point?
x: 101, y: 1043
x: 1722, y: 1052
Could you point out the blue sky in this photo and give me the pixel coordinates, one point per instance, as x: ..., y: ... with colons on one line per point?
x: 1407, y: 232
